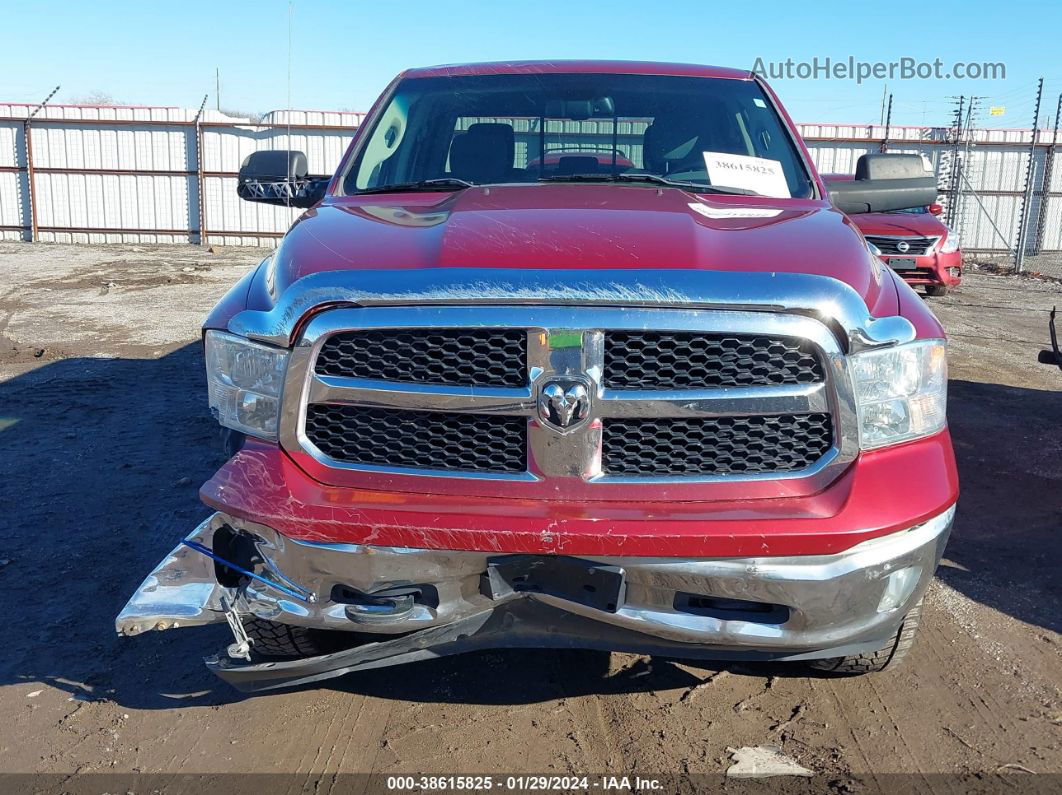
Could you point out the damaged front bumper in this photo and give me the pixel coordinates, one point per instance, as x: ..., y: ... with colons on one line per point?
x: 428, y: 603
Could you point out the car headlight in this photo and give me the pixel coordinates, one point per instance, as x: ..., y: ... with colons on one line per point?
x: 901, y: 392
x: 951, y: 242
x: 244, y: 383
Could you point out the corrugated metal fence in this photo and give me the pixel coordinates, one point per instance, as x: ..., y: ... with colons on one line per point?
x: 168, y: 175
x: 148, y: 175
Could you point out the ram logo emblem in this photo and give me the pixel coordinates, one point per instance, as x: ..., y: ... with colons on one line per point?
x: 563, y: 404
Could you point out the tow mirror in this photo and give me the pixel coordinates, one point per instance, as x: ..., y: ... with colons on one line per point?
x: 883, y: 183
x: 580, y: 109
x: 279, y: 177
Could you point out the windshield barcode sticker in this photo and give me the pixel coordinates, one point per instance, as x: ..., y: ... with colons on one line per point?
x: 764, y: 177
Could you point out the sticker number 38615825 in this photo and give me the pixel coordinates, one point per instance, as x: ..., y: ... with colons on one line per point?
x: 757, y: 174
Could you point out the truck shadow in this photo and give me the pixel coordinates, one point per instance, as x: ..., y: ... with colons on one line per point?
x: 102, y: 458
x: 1005, y: 550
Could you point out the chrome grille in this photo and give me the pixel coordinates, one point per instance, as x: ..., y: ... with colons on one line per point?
x: 695, y: 396
x: 917, y: 246
x: 419, y: 439
x: 714, y: 446
x: 690, y: 360
x: 458, y: 357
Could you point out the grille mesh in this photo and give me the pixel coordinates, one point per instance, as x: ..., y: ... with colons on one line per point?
x: 691, y: 360
x: 447, y: 357
x: 917, y: 246
x: 419, y: 439
x: 718, y: 445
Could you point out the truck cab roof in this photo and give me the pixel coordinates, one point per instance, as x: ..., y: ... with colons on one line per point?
x: 579, y: 67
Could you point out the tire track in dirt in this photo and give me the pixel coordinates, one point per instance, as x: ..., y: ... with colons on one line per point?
x: 584, y: 710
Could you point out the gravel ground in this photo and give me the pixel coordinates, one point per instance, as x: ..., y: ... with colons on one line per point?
x: 105, y: 437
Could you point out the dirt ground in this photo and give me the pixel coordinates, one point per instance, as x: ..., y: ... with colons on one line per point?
x: 105, y: 438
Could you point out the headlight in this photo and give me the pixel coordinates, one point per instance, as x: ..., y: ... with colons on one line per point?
x: 901, y: 392
x: 951, y: 242
x: 244, y: 383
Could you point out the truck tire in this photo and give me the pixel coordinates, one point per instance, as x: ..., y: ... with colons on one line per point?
x: 887, y: 656
x: 271, y: 639
x: 936, y: 290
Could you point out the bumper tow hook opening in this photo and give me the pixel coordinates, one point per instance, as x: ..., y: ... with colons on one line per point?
x: 388, y: 606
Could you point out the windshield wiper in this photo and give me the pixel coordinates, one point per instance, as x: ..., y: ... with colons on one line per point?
x: 696, y: 186
x: 441, y: 184
x: 654, y: 179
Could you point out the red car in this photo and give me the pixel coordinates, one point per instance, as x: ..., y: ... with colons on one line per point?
x: 569, y: 160
x: 675, y: 407
x: 915, y: 243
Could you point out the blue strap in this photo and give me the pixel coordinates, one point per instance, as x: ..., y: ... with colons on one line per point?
x: 304, y: 596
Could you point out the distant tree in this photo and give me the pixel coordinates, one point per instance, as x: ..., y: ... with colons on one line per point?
x: 254, y: 116
x: 95, y: 98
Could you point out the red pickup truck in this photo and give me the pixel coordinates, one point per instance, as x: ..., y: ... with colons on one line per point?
x: 663, y: 402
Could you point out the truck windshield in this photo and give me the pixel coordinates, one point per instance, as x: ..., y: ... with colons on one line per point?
x: 445, y: 133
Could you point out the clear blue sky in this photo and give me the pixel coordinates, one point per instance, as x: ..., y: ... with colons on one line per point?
x: 165, y: 53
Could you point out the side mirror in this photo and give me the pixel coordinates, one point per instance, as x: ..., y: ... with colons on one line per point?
x: 279, y: 177
x: 883, y: 183
x: 936, y: 209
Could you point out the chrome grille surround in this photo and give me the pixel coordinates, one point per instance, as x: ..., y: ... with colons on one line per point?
x: 569, y: 342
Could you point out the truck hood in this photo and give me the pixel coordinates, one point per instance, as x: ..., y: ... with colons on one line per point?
x: 574, y: 226
x: 899, y: 224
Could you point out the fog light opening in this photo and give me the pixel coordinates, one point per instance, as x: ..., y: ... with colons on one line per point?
x: 898, y: 587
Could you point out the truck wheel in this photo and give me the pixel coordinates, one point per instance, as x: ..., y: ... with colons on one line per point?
x: 936, y: 290
x: 271, y: 639
x: 887, y: 656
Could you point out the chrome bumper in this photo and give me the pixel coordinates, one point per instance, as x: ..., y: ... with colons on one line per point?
x: 854, y: 597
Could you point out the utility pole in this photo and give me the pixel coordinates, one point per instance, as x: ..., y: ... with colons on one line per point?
x: 1026, y: 200
x: 953, y: 166
x: 888, y: 123
x: 1049, y: 165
